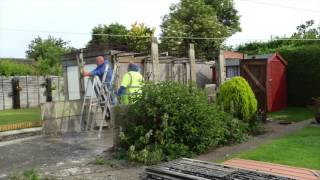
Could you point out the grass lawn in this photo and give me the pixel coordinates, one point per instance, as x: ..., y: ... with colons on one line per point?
x: 12, y: 116
x: 294, y: 114
x: 300, y: 149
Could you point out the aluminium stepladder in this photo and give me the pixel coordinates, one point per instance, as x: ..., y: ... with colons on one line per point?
x: 100, y: 94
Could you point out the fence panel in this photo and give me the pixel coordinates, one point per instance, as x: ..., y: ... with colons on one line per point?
x: 33, y: 90
x: 33, y: 97
x: 42, y: 90
x: 7, y: 90
x: 24, y: 91
x: 2, y: 104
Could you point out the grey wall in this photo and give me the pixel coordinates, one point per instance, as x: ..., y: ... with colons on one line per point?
x: 32, y: 93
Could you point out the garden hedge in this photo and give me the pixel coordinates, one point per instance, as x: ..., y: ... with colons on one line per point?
x: 303, y: 73
x: 170, y: 120
x: 10, y: 68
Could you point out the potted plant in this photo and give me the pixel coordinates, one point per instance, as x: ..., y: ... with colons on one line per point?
x: 317, y: 107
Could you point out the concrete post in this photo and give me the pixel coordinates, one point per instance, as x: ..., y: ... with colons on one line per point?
x: 220, y: 69
x: 155, y: 59
x: 192, y: 58
x: 81, y: 78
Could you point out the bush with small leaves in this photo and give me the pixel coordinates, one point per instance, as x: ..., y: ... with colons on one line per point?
x: 236, y: 97
x: 170, y: 120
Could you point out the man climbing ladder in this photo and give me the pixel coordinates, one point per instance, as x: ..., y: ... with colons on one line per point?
x: 102, y: 86
x: 100, y: 70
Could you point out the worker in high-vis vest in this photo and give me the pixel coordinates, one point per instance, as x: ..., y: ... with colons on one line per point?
x: 131, y: 84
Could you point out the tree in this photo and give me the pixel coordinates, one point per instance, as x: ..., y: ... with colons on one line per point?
x: 198, y: 18
x: 48, y: 53
x: 307, y: 31
x: 226, y: 13
x: 99, y: 39
x: 140, y: 44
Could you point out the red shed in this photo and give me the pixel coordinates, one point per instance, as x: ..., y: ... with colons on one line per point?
x: 266, y: 75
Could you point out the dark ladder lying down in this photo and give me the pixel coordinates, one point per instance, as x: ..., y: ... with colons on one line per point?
x: 190, y: 169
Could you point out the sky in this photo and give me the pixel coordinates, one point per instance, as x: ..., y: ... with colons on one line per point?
x: 23, y: 20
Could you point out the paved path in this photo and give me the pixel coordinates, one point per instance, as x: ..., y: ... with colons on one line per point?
x: 69, y: 157
x: 40, y: 152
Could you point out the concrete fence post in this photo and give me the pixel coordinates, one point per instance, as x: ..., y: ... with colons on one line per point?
x: 27, y: 89
x: 3, y: 99
x: 155, y: 58
x: 221, y: 71
x: 192, y: 59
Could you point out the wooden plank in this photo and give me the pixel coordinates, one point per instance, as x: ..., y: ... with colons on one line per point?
x: 253, y: 78
x: 166, y: 171
x: 282, y: 170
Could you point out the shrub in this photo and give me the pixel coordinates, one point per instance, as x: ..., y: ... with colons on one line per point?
x: 10, y: 68
x: 169, y: 120
x: 236, y: 97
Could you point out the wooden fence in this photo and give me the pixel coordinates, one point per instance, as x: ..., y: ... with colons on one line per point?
x: 23, y: 125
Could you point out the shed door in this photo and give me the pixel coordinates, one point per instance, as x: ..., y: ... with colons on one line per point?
x: 254, y: 71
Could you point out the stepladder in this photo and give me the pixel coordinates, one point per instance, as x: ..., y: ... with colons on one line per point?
x: 97, y: 101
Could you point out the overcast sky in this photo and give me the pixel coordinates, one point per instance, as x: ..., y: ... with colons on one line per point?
x: 23, y: 20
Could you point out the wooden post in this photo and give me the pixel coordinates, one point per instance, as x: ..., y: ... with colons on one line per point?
x: 192, y: 58
x: 155, y: 59
x: 16, y: 93
x: 220, y: 69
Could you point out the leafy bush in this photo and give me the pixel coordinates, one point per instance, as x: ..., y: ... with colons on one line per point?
x: 169, y: 120
x: 236, y: 97
x: 10, y: 68
x: 303, y: 77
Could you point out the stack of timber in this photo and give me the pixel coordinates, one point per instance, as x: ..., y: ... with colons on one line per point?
x: 190, y: 169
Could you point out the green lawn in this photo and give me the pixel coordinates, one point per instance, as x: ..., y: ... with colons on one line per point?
x: 19, y: 115
x: 294, y: 114
x: 301, y: 149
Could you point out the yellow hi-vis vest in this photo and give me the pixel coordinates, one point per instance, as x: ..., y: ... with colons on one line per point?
x: 132, y: 81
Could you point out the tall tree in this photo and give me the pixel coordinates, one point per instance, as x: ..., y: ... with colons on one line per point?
x: 100, y: 35
x: 48, y: 53
x: 198, y: 18
x: 226, y: 14
x: 138, y: 40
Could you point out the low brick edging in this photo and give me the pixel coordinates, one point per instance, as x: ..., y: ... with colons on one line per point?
x: 16, y: 126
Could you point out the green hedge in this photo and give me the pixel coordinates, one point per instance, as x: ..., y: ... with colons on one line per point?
x: 10, y: 68
x: 171, y: 120
x: 303, y: 73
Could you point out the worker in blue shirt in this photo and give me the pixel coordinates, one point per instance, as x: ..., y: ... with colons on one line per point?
x: 99, y: 70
